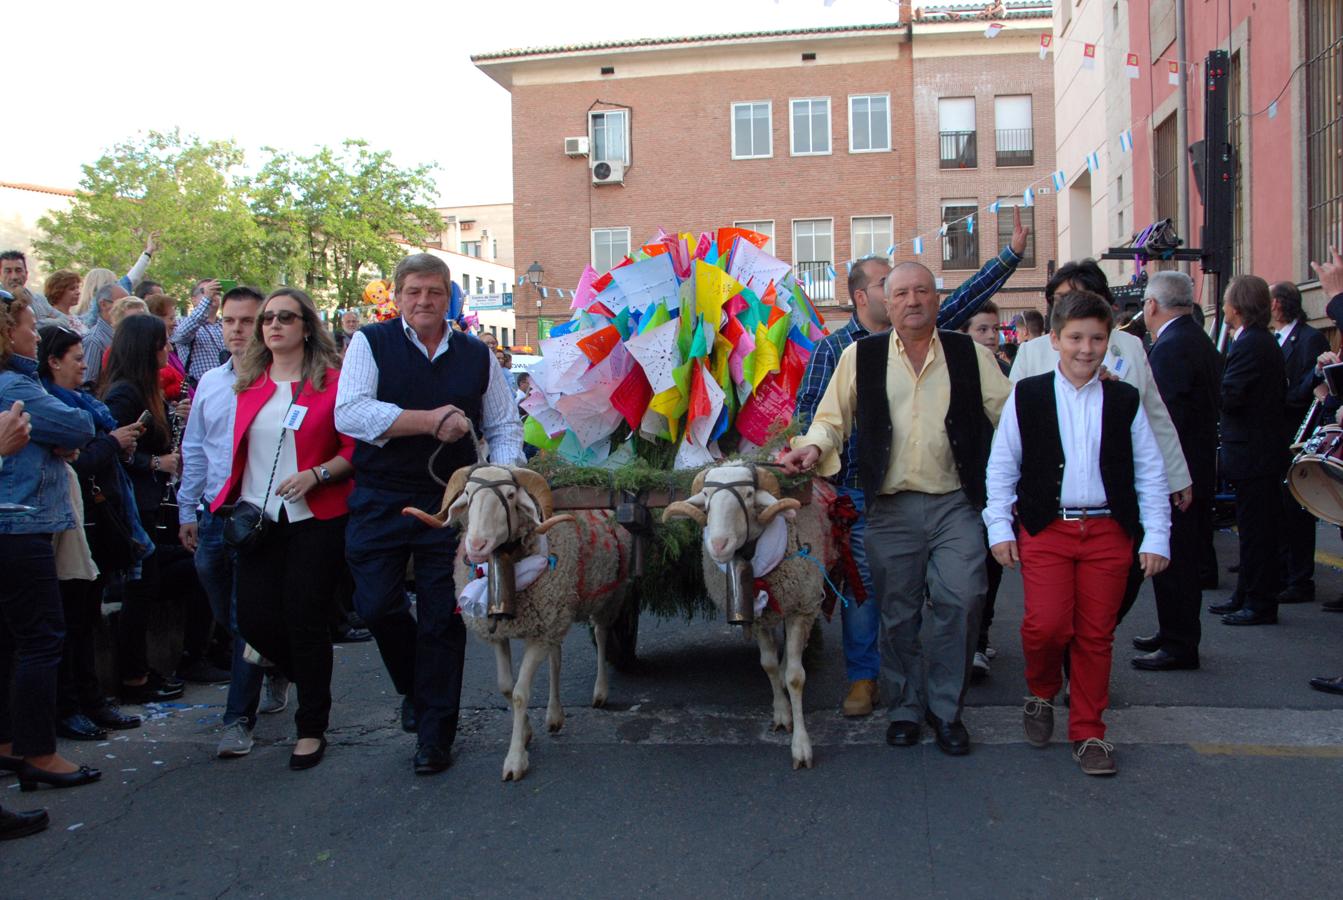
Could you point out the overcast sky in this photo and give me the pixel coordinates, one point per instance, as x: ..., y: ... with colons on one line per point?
x: 296, y: 74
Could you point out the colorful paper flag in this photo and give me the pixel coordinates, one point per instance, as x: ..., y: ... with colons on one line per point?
x: 970, y: 224
x: 1046, y: 43
x: 918, y: 246
x: 1060, y: 180
x: 1173, y: 73
x: 1273, y: 110
x: 890, y: 251
x: 545, y: 292
x: 1088, y: 56
x: 1126, y: 140
x: 1093, y: 161
x: 1131, y: 68
x: 993, y: 29
x: 995, y: 206
x: 1028, y: 197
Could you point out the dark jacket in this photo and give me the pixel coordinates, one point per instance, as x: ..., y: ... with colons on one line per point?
x: 1188, y: 372
x: 1299, y: 352
x: 1254, y: 390
x: 126, y: 404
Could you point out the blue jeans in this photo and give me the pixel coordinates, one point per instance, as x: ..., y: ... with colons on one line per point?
x: 215, y: 564
x: 861, y: 623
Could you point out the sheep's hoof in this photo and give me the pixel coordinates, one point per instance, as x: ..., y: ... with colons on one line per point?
x: 554, y: 725
x: 598, y: 701
x: 515, y: 767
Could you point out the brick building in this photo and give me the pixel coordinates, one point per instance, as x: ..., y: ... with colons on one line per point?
x: 827, y: 139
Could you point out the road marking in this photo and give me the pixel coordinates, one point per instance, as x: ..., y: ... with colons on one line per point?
x: 1329, y: 559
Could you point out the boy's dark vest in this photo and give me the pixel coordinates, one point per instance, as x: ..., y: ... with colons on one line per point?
x: 1041, y: 481
x: 408, y: 379
x: 969, y: 431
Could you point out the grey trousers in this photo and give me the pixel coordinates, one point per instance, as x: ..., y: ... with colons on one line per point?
x: 921, y: 546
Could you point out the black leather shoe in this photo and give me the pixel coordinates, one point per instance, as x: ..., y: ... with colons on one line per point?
x: 31, y: 776
x: 1147, y: 644
x: 1161, y: 661
x: 1328, y: 685
x: 1296, y: 595
x: 952, y: 737
x: 408, y: 723
x: 79, y: 728
x: 1223, y: 609
x: 431, y: 760
x: 299, y: 762
x: 902, y: 734
x: 1332, y: 605
x: 1250, y: 617
x: 110, y: 716
x: 21, y: 824
x: 347, y: 634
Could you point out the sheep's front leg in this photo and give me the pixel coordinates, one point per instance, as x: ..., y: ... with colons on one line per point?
x: 602, y: 686
x: 503, y: 663
x: 796, y: 678
x: 769, y: 661
x: 515, y: 764
x: 554, y: 712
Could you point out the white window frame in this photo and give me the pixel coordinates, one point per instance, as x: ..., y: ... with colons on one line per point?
x: 769, y: 119
x: 887, y: 97
x: 877, y: 251
x: 794, y: 222
x: 592, y: 246
x: 592, y: 132
x: 830, y: 127
x: 747, y: 223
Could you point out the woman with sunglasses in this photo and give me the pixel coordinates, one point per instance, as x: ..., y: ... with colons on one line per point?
x: 85, y: 712
x: 131, y: 388
x: 34, y: 505
x: 291, y: 463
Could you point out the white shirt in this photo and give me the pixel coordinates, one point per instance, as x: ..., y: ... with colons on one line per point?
x: 1079, y: 414
x: 267, y: 432
x: 361, y: 415
x: 1128, y: 360
x: 1285, y: 332
x: 207, y: 445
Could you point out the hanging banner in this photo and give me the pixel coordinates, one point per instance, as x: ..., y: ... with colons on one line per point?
x: 1131, y: 66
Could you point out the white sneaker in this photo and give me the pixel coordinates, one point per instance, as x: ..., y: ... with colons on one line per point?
x: 235, y: 741
x: 274, y: 694
x: 980, y: 666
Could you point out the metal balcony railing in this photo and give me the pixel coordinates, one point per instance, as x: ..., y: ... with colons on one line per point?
x: 1015, y: 146
x: 816, y: 279
x: 957, y: 149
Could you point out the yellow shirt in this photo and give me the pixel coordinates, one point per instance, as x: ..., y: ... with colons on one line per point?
x: 921, y: 457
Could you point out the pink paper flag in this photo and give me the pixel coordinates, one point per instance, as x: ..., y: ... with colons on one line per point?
x: 583, y: 296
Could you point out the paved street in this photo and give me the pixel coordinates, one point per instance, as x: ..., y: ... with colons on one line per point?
x: 1229, y: 786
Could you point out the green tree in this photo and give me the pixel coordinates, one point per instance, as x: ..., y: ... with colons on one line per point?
x: 337, y: 214
x: 186, y: 189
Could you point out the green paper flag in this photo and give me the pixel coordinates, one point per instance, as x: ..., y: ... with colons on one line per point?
x: 534, y: 434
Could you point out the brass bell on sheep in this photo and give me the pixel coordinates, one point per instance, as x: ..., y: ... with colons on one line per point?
x: 740, y: 606
x: 501, y: 587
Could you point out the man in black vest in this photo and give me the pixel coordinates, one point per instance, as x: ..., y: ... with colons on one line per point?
x: 926, y: 402
x: 1188, y: 371
x: 1301, y: 347
x: 1254, y: 389
x: 409, y: 387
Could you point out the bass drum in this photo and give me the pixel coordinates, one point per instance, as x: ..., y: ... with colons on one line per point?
x: 1316, y: 476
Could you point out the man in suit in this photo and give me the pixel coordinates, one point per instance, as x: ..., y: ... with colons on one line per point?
x: 1187, y: 370
x: 1301, y: 347
x: 1254, y: 392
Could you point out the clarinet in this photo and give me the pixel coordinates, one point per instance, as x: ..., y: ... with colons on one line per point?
x: 1307, y: 424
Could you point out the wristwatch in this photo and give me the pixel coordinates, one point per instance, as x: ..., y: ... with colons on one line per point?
x: 324, y: 474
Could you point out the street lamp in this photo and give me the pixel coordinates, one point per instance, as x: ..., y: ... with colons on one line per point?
x: 534, y: 274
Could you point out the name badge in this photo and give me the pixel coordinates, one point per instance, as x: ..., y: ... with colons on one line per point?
x: 1116, y: 364
x: 294, y: 419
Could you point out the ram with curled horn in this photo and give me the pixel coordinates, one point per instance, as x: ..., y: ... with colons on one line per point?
x: 521, y: 578
x: 759, y: 568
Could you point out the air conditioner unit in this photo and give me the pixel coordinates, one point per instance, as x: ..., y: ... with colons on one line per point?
x: 576, y: 146
x: 608, y: 173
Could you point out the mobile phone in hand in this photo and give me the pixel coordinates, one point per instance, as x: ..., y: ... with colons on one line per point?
x: 145, y: 418
x: 226, y: 285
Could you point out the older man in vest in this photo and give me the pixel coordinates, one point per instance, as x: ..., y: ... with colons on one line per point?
x: 926, y: 402
x: 408, y: 387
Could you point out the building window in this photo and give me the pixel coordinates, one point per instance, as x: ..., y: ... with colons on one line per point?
x: 814, y: 256
x: 871, y: 236
x: 960, y: 248
x: 1324, y: 127
x: 466, y: 284
x: 503, y: 337
x: 1005, y: 225
x: 869, y: 123
x: 956, y: 132
x: 810, y: 126
x: 609, y: 246
x: 1167, y: 154
x: 480, y: 285
x: 752, y: 137
x: 610, y: 136
x: 471, y: 248
x: 491, y: 285
x: 494, y: 249
x: 1014, y: 138
x: 762, y: 226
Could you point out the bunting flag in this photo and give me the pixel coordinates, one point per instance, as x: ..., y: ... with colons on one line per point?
x: 830, y: 271
x: 521, y: 279
x: 1060, y: 181
x: 1046, y: 43
x: 995, y: 206
x: 993, y: 29
x: 942, y: 231
x: 1131, y: 67
x: 1088, y: 56
x: 1126, y: 140
x: 1028, y: 197
x: 1273, y: 110
x: 890, y: 251
x: 1093, y: 161
x: 545, y: 293
x: 918, y: 246
x: 1173, y: 73
x: 970, y: 224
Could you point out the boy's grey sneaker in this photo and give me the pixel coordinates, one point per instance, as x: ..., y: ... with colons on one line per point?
x: 274, y: 693
x: 235, y: 741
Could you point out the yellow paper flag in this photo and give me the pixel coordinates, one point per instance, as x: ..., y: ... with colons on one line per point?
x: 766, y: 356
x: 713, y: 288
x: 664, y: 404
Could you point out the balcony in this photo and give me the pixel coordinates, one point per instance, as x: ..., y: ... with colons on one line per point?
x: 816, y: 280
x: 1015, y: 147
x: 957, y: 149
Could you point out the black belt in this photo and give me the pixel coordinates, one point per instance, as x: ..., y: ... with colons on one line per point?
x: 1080, y: 513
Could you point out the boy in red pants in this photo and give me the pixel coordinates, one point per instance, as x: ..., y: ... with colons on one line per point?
x: 1075, y: 457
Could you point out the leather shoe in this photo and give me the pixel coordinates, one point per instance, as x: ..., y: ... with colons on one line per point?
x: 21, y: 824
x: 902, y: 734
x: 1296, y: 595
x: 79, y: 728
x: 299, y: 762
x: 1147, y: 644
x: 150, y: 692
x: 1161, y: 661
x: 1335, y: 605
x: 1328, y: 685
x: 952, y: 737
x: 431, y: 760
x: 408, y: 723
x: 109, y: 716
x: 1250, y: 617
x: 1223, y: 609
x: 31, y: 776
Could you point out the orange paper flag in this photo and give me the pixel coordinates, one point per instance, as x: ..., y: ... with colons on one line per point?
x: 597, y: 346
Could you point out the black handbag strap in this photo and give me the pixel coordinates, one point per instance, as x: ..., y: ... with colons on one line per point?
x: 279, y: 445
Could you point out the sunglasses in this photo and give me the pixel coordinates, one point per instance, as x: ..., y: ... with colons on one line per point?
x: 286, y: 317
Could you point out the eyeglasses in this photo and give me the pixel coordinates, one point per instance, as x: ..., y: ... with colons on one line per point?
x: 286, y: 317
